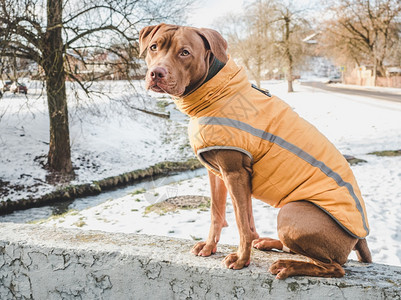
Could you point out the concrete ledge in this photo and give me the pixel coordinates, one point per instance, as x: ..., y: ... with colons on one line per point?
x: 38, y: 262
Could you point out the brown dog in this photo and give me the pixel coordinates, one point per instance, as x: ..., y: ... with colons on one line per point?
x: 192, y: 64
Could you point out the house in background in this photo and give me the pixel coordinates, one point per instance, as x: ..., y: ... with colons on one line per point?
x: 319, y: 66
x: 103, y: 65
x: 84, y: 65
x: 363, y: 75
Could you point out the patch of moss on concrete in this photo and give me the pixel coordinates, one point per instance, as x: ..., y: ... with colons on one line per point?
x: 293, y: 286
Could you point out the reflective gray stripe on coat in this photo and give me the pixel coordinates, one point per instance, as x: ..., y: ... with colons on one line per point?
x: 290, y: 147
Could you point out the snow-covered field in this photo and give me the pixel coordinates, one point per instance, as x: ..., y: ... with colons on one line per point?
x: 356, y: 125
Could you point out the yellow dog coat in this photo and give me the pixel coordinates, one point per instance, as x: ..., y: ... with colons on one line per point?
x: 291, y: 159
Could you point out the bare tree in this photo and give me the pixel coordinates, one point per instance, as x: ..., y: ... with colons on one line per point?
x: 364, y: 32
x: 291, y: 25
x: 267, y: 36
x: 44, y: 31
x: 250, y: 38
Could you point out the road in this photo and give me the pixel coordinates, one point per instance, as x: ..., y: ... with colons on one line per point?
x: 350, y: 91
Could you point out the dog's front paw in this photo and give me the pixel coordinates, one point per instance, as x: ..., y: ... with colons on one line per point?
x: 204, y: 249
x: 236, y: 262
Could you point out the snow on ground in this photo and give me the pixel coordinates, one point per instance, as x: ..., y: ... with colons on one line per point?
x: 356, y: 125
x: 107, y: 137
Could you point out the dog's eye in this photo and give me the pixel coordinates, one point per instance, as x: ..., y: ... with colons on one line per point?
x: 153, y: 47
x: 185, y: 53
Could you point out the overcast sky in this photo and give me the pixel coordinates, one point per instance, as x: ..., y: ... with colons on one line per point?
x: 206, y: 12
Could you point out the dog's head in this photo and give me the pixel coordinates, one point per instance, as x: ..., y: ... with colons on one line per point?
x: 178, y: 57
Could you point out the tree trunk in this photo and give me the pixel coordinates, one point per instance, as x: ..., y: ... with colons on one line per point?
x: 259, y: 63
x: 290, y: 60
x: 290, y: 72
x: 290, y: 87
x: 59, y: 157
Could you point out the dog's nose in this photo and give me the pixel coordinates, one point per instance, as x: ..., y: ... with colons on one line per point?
x: 158, y: 73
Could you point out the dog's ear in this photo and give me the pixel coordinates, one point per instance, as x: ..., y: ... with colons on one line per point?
x: 145, y: 36
x: 215, y: 42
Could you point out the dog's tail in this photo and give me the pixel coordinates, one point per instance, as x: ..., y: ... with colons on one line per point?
x: 362, y: 251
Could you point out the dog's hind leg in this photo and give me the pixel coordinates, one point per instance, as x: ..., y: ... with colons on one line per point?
x: 284, y: 268
x: 306, y: 229
x: 266, y: 244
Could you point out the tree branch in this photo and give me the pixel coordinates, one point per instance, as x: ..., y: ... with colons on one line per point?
x: 93, y: 30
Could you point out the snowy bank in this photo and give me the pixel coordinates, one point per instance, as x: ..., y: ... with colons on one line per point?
x: 70, y: 192
x: 109, y: 137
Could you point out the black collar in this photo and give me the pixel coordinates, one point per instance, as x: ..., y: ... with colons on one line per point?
x: 214, y: 68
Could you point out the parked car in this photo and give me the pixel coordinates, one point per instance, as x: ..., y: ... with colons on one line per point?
x: 17, y: 87
x: 335, y: 79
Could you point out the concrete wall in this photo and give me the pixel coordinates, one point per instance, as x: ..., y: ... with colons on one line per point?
x: 39, y: 262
